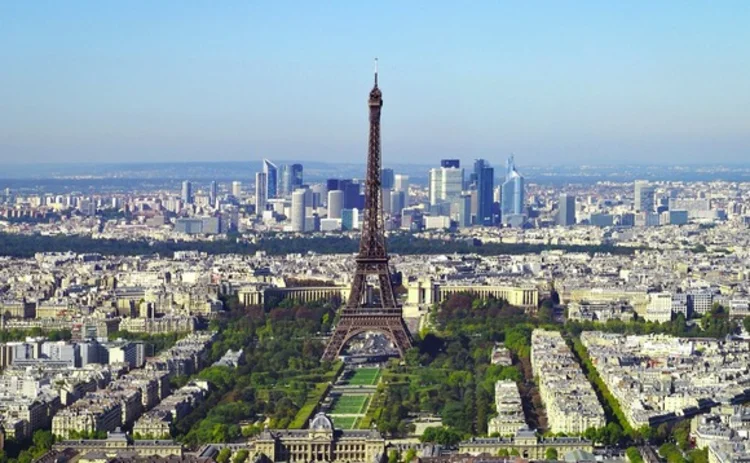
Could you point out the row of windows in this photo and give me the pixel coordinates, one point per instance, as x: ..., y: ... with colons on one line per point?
x: 324, y: 447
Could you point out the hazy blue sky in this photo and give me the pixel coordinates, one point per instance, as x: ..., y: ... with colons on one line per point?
x: 563, y: 82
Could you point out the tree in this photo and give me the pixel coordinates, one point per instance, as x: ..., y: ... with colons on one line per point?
x: 546, y: 313
x: 646, y: 432
x: 240, y: 456
x: 634, y: 456
x: 410, y: 455
x: 223, y: 456
x: 484, y: 406
x: 612, y: 434
x: 515, y: 453
x: 442, y: 435
x: 671, y: 453
x: 550, y: 454
x: 681, y: 434
x: 43, y: 439
x: 661, y: 434
x: 393, y: 456
x: 454, y: 414
x: 698, y: 456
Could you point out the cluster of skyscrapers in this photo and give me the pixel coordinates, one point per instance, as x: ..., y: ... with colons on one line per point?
x: 454, y: 198
x: 646, y: 210
x: 476, y: 200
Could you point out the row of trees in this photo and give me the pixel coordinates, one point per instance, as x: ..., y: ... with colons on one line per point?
x: 714, y: 324
x: 17, y: 334
x: 16, y: 245
x: 157, y: 341
x: 41, y: 443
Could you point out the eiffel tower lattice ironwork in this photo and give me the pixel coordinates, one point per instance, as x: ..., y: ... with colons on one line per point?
x: 378, y: 312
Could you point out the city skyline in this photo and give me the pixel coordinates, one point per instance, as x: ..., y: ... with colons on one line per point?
x: 607, y: 84
x: 545, y: 259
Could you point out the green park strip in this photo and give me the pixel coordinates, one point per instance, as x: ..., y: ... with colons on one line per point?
x: 350, y: 404
x: 345, y: 422
x: 611, y: 406
x: 365, y: 377
x: 314, y: 397
x: 374, y: 409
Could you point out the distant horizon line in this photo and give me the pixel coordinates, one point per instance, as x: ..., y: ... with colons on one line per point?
x: 436, y: 164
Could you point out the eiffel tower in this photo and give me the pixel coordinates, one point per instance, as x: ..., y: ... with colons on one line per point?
x: 371, y: 310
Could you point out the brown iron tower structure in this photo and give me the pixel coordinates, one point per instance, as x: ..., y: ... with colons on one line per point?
x: 368, y: 309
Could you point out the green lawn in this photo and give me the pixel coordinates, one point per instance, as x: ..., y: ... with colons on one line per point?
x: 365, y: 377
x: 349, y: 404
x: 311, y: 403
x: 347, y: 422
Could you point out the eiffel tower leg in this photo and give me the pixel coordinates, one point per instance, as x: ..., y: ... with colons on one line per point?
x: 358, y: 288
x: 386, y: 287
x: 400, y: 336
x: 338, y: 338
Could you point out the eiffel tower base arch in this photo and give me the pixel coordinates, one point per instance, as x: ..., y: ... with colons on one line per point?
x: 349, y: 326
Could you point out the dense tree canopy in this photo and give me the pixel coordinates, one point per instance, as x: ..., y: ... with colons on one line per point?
x: 16, y: 245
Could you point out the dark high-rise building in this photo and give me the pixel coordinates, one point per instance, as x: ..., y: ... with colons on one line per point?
x: 213, y: 193
x: 285, y: 181
x: 296, y: 176
x: 290, y: 178
x: 272, y: 178
x: 398, y: 202
x: 567, y: 210
x: 464, y: 211
x: 333, y: 184
x: 485, y: 183
x: 455, y: 163
x: 187, y: 192
x: 351, y: 194
x: 387, y: 179
x: 513, y: 195
x: 260, y: 193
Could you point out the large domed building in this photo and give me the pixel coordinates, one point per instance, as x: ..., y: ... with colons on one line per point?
x: 321, y: 441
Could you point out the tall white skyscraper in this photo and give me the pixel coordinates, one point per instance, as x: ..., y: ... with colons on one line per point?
x: 335, y: 204
x: 644, y: 196
x: 260, y: 193
x: 236, y: 188
x: 401, y: 183
x: 446, y: 184
x: 298, y: 210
